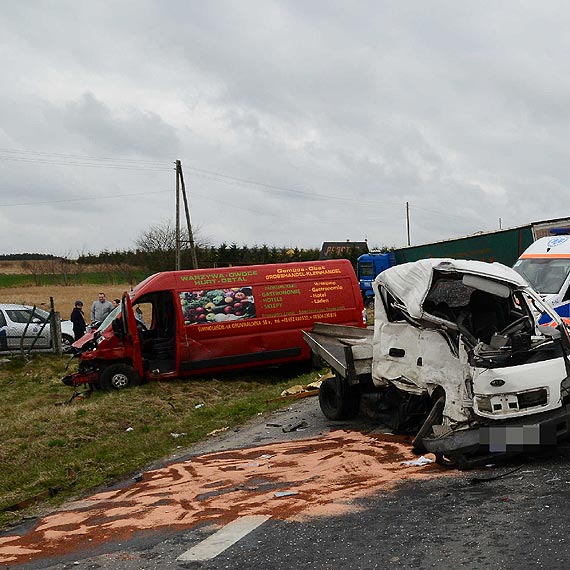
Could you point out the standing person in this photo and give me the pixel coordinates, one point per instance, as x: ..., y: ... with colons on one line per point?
x: 100, y: 308
x: 78, y: 320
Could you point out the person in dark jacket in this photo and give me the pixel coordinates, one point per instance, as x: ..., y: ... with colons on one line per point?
x: 78, y: 320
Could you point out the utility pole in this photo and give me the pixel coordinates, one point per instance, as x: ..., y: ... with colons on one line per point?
x: 408, y: 221
x: 177, y: 238
x: 180, y: 180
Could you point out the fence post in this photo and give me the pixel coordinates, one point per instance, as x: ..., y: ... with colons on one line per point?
x: 55, y: 328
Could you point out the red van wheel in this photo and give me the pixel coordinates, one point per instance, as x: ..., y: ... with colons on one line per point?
x: 117, y: 377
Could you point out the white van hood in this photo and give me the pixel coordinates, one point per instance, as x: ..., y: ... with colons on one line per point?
x: 411, y: 282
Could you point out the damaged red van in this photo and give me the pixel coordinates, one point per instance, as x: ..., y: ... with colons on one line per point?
x: 182, y: 323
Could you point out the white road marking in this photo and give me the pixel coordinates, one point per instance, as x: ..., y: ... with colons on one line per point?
x: 224, y: 538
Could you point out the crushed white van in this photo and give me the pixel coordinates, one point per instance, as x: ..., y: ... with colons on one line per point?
x: 455, y: 357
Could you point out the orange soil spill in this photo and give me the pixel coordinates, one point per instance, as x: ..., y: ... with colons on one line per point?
x: 327, y: 474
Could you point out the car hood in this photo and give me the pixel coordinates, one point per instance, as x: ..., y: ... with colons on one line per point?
x: 411, y: 282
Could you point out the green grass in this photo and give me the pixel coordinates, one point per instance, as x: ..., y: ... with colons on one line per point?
x: 51, y: 443
x: 95, y: 278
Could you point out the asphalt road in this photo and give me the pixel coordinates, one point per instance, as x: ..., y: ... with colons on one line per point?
x: 343, y: 511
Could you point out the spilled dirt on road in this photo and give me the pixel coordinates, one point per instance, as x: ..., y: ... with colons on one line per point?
x: 286, y: 480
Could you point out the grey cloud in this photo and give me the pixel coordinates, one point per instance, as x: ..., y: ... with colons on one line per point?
x: 137, y: 131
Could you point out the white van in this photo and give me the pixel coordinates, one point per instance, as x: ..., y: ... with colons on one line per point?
x: 546, y: 266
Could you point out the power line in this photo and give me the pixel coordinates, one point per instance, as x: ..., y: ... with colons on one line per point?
x: 35, y: 203
x: 84, y: 164
x: 87, y: 157
x: 163, y: 166
x: 245, y: 183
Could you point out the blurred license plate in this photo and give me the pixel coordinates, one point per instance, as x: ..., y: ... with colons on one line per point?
x: 501, y: 439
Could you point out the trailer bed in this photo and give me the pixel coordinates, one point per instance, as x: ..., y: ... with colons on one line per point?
x: 347, y: 350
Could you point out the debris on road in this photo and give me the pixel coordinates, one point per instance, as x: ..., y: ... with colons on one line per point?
x: 301, y: 391
x: 203, y: 490
x: 295, y: 426
x: 419, y: 462
x: 176, y: 435
x: 219, y: 430
x: 280, y: 494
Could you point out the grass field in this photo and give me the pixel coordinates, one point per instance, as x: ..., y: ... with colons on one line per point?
x: 51, y: 444
x: 64, y: 296
x: 27, y: 274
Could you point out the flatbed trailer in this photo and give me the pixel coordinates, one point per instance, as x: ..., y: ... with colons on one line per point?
x: 347, y: 350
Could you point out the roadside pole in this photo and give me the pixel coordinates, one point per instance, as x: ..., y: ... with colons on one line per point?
x: 180, y: 177
x: 55, y: 328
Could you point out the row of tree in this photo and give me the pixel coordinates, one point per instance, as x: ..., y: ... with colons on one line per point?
x: 155, y: 251
x: 223, y: 255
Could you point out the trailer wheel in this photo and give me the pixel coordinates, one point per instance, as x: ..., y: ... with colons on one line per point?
x: 338, y: 401
x: 117, y: 377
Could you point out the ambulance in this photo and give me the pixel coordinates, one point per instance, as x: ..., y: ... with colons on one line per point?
x: 546, y: 266
x: 183, y: 323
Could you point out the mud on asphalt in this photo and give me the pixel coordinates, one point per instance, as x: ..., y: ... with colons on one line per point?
x: 301, y: 469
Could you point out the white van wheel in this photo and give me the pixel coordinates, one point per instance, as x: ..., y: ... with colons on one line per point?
x: 338, y: 401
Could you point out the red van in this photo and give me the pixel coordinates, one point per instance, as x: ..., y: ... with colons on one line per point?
x: 181, y: 323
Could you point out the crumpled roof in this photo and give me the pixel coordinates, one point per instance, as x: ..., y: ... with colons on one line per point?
x: 411, y: 282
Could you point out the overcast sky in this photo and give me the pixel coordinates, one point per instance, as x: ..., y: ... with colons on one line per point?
x: 296, y: 122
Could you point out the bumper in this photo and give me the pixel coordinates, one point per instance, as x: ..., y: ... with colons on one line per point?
x: 511, y: 436
x: 81, y: 378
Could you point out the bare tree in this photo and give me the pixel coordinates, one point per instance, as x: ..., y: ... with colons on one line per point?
x: 37, y: 269
x: 158, y: 243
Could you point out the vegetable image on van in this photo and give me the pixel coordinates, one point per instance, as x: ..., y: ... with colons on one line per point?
x: 217, y: 305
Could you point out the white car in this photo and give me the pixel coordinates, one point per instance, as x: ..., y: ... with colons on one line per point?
x: 21, y: 321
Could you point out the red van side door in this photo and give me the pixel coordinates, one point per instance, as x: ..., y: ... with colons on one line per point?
x: 132, y: 339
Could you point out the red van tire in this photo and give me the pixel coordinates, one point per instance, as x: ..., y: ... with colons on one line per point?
x: 338, y: 402
x: 117, y: 377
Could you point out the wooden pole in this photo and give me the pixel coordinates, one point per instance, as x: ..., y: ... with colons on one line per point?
x: 177, y: 245
x: 55, y: 328
x: 408, y: 221
x: 188, y: 224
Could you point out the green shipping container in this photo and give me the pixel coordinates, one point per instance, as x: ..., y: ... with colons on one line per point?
x: 504, y: 246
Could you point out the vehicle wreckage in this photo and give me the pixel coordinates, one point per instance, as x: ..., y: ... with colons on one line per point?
x: 456, y: 358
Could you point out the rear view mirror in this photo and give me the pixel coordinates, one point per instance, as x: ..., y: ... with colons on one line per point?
x: 483, y: 284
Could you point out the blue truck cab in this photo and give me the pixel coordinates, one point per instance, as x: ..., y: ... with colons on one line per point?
x: 368, y: 266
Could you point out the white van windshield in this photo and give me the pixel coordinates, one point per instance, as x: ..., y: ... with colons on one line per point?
x: 544, y: 275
